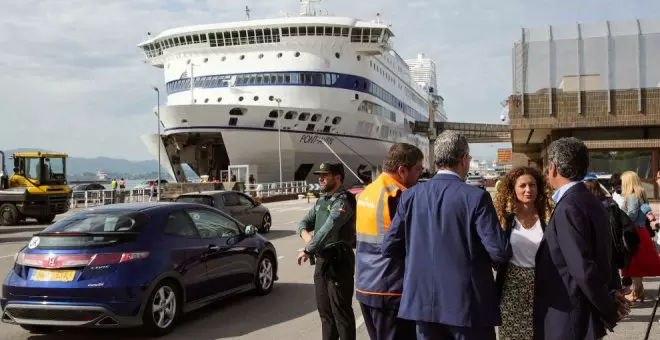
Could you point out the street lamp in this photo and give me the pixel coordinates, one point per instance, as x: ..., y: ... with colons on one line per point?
x: 279, y: 136
x: 159, y: 141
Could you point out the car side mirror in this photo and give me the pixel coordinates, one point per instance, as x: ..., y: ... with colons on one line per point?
x: 250, y: 230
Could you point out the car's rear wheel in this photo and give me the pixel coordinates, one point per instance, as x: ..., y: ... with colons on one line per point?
x: 163, y: 309
x: 38, y: 329
x: 264, y: 278
x: 266, y: 223
x: 8, y: 214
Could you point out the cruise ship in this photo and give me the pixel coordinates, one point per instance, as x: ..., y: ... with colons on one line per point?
x: 274, y: 98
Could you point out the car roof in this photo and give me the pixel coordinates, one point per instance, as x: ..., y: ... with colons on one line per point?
x: 140, y: 207
x: 205, y: 193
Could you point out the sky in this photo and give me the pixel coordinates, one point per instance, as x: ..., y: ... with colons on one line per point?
x: 74, y: 81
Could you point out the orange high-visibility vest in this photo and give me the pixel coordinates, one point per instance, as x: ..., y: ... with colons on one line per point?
x: 372, y: 222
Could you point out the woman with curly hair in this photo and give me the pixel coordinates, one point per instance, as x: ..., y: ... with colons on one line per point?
x: 523, y: 208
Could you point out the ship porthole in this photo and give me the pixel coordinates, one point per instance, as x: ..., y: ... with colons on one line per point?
x: 256, y: 98
x: 206, y: 100
x: 261, y: 56
x: 240, y: 99
x: 337, y: 55
x: 279, y: 55
x: 297, y: 54
x: 242, y: 57
x: 206, y: 60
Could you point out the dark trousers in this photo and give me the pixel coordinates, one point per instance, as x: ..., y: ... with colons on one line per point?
x: 383, y: 324
x: 334, y: 285
x: 438, y: 331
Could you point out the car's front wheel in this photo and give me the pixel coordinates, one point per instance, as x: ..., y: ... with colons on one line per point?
x: 266, y: 223
x: 162, y: 310
x: 264, y: 278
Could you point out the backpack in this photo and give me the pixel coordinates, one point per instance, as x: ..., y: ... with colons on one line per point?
x: 624, y: 233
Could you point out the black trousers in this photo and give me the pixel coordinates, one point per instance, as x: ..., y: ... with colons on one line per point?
x: 334, y: 284
x: 383, y: 324
x: 437, y: 331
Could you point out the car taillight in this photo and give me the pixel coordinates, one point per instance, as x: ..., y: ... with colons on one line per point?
x: 76, y: 260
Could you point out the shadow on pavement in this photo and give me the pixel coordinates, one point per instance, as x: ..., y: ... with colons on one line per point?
x: 21, y: 229
x: 15, y: 239
x: 232, y: 317
x: 275, y: 234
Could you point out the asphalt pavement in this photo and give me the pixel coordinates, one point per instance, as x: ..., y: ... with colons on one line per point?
x: 287, y: 313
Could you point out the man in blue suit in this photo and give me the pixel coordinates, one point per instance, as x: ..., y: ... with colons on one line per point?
x: 448, y: 234
x: 572, y: 299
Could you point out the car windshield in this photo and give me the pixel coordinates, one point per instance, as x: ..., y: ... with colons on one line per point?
x: 474, y: 178
x: 201, y: 199
x: 92, y: 229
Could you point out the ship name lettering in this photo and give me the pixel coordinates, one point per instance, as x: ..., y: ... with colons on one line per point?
x: 314, y: 139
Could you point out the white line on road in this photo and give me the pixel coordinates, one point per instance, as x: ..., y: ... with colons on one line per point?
x: 280, y: 257
x: 6, y: 256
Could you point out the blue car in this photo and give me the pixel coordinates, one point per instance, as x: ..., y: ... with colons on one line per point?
x: 127, y: 265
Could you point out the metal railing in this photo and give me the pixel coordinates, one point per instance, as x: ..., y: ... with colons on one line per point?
x: 93, y: 198
x: 276, y: 188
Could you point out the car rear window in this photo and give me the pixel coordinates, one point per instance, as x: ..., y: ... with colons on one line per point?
x: 91, y: 229
x: 474, y: 177
x: 201, y: 199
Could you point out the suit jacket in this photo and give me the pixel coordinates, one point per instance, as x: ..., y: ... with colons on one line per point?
x: 448, y: 233
x: 572, y: 298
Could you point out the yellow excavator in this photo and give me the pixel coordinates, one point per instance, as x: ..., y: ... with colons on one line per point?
x: 37, y: 188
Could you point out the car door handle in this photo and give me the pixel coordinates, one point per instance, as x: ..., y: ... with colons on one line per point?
x: 213, y: 247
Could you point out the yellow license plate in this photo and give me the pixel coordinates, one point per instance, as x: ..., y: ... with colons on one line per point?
x: 53, y: 275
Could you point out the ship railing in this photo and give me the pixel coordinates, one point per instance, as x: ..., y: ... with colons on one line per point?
x: 93, y: 198
x: 276, y: 188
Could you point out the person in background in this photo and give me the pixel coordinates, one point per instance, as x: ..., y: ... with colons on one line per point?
x: 645, y: 262
x: 122, y: 184
x: 620, y: 258
x: 113, y: 184
x: 572, y: 298
x: 522, y: 209
x: 447, y: 232
x: 615, y: 189
x: 379, y: 280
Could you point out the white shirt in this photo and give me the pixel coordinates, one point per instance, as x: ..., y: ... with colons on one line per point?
x: 525, y: 243
x: 618, y: 199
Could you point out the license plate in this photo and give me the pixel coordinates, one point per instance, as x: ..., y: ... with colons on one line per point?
x: 53, y: 275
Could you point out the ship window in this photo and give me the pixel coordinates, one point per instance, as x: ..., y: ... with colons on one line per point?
x: 202, y: 38
x: 344, y: 32
x: 260, y: 36
x: 269, y: 123
x: 365, y: 35
x: 291, y: 115
x: 240, y: 99
x: 223, y: 58
x: 242, y: 56
x: 260, y: 79
x: 206, y: 100
x: 336, y: 120
x: 276, y: 35
x: 206, y: 60
x: 294, y: 31
x: 302, y: 30
x: 327, y: 128
x: 227, y: 38
x: 236, y: 111
x: 267, y: 36
x: 337, y: 55
x: 219, y: 99
x: 243, y: 36
x: 327, y: 119
x: 328, y: 31
x: 310, y: 127
x: 261, y: 55
x: 273, y: 79
x: 287, y: 79
x: 285, y: 31
x: 250, y: 35
x: 189, y: 39
x: 233, y: 121
x: 196, y: 39
x: 297, y: 54
x: 256, y: 98
x: 212, y: 40
x: 235, y: 39
x: 355, y: 34
x: 316, y: 117
x: 337, y: 31
x: 272, y: 114
x: 319, y: 30
x: 328, y: 79
x: 279, y: 55
x: 303, y: 116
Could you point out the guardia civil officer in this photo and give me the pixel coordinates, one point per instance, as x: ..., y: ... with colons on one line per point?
x: 332, y: 221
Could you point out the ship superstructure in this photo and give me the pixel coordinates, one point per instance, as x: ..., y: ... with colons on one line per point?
x: 246, y: 93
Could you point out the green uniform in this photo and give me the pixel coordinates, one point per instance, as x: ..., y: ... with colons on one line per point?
x: 332, y: 219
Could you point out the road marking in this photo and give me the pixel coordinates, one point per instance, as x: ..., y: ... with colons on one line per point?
x: 359, y: 322
x: 280, y: 257
x: 6, y: 256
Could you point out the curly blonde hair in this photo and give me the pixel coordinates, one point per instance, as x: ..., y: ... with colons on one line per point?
x: 505, y: 198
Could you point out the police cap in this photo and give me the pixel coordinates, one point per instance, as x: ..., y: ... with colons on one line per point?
x: 330, y: 168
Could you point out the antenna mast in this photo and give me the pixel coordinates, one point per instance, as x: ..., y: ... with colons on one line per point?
x: 247, y: 12
x: 307, y: 7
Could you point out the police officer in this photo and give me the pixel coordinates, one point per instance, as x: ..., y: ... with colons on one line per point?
x: 332, y: 221
x: 379, y: 283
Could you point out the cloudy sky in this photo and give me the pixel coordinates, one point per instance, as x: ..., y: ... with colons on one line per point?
x: 73, y: 79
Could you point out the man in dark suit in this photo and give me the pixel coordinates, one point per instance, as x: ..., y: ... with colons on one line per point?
x: 447, y: 233
x: 572, y: 299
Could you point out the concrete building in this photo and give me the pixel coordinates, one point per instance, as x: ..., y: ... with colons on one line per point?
x: 598, y: 82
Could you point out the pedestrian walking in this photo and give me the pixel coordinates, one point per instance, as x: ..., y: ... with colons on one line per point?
x: 448, y: 234
x: 379, y: 280
x: 328, y: 231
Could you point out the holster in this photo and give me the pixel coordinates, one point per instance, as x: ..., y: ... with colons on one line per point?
x: 335, y: 260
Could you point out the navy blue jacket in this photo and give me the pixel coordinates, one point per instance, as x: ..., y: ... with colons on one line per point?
x: 448, y: 233
x: 572, y: 299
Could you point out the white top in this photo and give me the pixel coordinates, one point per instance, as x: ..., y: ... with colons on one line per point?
x: 525, y: 243
x: 618, y: 199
